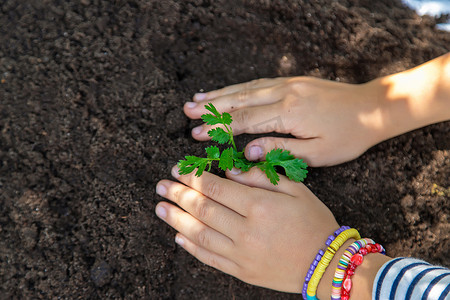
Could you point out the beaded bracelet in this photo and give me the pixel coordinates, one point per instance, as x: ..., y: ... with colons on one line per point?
x: 343, y: 264
x: 326, y: 258
x: 319, y: 255
x: 355, y: 261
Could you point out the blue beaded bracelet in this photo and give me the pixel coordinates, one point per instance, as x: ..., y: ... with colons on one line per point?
x: 319, y: 255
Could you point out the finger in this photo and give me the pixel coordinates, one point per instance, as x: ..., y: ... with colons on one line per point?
x: 208, y: 211
x: 257, y: 178
x: 253, y: 84
x: 237, y: 100
x: 257, y: 119
x: 210, y: 258
x: 226, y: 192
x: 195, y: 230
x: 307, y: 149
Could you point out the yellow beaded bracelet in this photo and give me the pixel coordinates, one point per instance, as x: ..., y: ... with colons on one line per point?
x: 326, y: 259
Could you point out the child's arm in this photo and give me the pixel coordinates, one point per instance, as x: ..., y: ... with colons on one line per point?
x: 413, y: 98
x: 332, y: 122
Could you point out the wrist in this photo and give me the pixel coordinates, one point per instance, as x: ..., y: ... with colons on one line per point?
x: 365, y: 275
x: 324, y: 288
x: 409, y: 100
x: 363, y: 278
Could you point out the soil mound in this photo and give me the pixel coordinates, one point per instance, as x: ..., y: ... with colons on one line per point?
x: 91, y: 118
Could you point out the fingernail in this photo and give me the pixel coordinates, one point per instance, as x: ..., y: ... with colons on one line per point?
x: 161, y: 190
x: 175, y: 172
x: 255, y: 152
x: 197, y: 130
x: 200, y: 96
x: 161, y: 212
x: 179, y: 240
x: 235, y: 171
x: 191, y: 104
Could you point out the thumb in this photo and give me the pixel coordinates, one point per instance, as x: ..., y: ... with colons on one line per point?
x: 307, y: 149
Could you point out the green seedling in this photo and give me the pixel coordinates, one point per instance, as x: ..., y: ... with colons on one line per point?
x: 230, y: 157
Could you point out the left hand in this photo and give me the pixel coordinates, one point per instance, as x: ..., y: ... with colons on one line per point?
x: 331, y: 122
x: 263, y: 234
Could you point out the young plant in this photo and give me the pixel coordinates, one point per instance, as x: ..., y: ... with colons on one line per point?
x: 230, y: 157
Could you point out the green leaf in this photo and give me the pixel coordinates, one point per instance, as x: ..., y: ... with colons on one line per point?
x: 189, y: 164
x: 295, y: 169
x: 219, y: 135
x: 211, y: 120
x: 226, y: 159
x: 213, y: 152
x: 239, y: 154
x: 212, y: 109
x: 226, y: 118
x: 276, y: 155
x: 188, y: 160
x: 185, y: 170
x: 270, y: 172
x: 241, y: 162
x: 201, y: 168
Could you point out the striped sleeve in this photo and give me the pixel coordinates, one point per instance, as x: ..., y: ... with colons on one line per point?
x: 411, y: 278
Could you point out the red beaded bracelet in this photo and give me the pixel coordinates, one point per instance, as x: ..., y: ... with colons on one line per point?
x: 355, y: 261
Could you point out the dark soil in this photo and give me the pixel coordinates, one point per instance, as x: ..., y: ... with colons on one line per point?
x: 91, y: 99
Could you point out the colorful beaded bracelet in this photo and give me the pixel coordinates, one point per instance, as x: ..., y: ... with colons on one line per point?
x: 355, y: 261
x: 326, y: 258
x: 343, y: 264
x: 319, y: 255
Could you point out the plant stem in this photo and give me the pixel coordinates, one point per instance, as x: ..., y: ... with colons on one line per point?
x: 230, y: 133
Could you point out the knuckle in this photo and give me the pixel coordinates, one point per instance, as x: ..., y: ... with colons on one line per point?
x: 260, y: 210
x: 287, y: 103
x: 274, y: 143
x: 202, y: 209
x: 243, y: 96
x: 255, y: 82
x: 254, y: 240
x: 242, y: 117
x: 203, y: 237
x: 182, y: 195
x: 249, y: 85
x: 214, y: 190
x: 252, y: 273
x: 176, y: 195
x: 249, y: 238
x: 249, y: 276
x: 297, y: 84
x: 256, y: 174
x: 213, y: 262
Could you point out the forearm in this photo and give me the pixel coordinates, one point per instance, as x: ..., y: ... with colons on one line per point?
x: 411, y: 99
x: 399, y: 103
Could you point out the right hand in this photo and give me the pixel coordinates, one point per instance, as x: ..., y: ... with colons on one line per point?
x: 332, y: 122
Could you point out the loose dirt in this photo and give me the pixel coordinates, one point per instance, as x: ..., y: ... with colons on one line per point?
x: 91, y: 119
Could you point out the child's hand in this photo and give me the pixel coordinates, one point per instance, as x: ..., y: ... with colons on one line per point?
x: 332, y: 122
x: 263, y: 234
